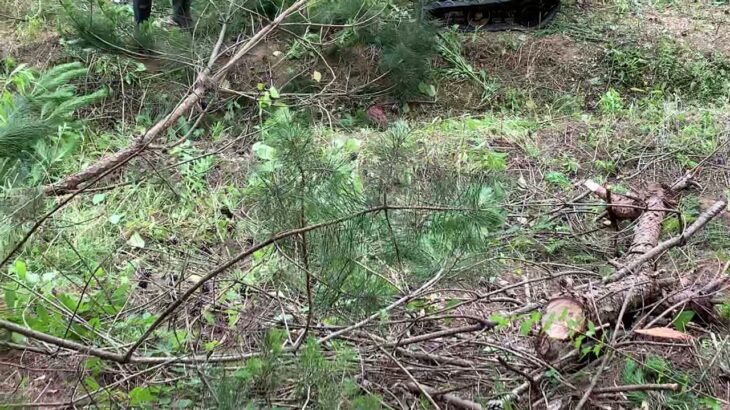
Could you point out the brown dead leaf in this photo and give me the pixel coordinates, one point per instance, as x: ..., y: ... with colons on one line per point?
x: 665, y: 333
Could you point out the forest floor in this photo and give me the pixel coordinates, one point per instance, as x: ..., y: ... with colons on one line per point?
x: 623, y: 93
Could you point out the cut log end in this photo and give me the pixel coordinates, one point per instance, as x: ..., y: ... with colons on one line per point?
x: 622, y: 207
x: 564, y: 316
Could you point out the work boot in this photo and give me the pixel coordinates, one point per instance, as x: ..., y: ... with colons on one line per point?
x: 181, y: 14
x: 142, y: 10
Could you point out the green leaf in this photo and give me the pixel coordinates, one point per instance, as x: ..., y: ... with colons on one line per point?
x: 115, y: 219
x: 136, y: 241
x: 208, y: 317
x: 21, y: 269
x: 494, y: 161
x: 317, y: 76
x: 232, y: 318
x: 682, y: 319
x: 585, y: 350
x: 69, y: 301
x: 263, y: 151
x: 140, y: 395
x: 579, y: 341
x: 18, y: 338
x: 597, y: 349
x: 42, y: 313
x: 265, y: 101
x: 427, y: 89
x: 274, y: 93
x: 711, y: 403
x: 525, y: 327
x: 98, y: 198
x: 182, y: 404
x: 591, y: 329
x: 91, y: 383
x: 95, y: 365
x: 501, y: 321
x: 10, y: 298
x: 557, y: 178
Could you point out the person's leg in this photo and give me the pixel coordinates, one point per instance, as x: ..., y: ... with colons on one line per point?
x: 181, y: 13
x: 142, y: 10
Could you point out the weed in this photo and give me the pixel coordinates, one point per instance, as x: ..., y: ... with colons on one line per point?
x: 450, y: 48
x: 668, y: 67
x: 611, y: 103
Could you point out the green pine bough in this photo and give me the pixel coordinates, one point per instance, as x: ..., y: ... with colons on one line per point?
x: 33, y: 108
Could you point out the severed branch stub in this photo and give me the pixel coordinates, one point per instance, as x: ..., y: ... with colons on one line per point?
x: 565, y: 315
x: 621, y: 206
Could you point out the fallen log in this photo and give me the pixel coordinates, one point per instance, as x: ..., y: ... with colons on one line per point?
x: 566, y: 315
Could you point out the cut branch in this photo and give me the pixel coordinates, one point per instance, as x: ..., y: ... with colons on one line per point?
x: 203, y: 84
x: 620, y: 206
x: 640, y: 259
x: 448, y: 398
x: 633, y: 285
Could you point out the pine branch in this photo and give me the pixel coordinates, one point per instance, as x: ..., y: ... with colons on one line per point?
x: 31, y: 117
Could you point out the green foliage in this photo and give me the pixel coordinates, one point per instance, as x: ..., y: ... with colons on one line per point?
x: 407, y: 48
x: 611, y: 102
x: 109, y: 27
x: 323, y: 379
x: 33, y: 107
x: 405, y: 42
x: 42, y: 300
x: 558, y: 178
x: 667, y: 66
x: 450, y: 47
x: 657, y: 370
x: 37, y: 133
x: 299, y: 182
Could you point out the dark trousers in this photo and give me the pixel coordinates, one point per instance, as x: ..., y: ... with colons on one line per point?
x: 180, y: 11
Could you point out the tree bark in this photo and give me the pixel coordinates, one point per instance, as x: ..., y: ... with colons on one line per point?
x: 635, y: 284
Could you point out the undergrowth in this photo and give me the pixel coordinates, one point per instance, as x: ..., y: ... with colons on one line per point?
x: 668, y: 67
x: 479, y: 199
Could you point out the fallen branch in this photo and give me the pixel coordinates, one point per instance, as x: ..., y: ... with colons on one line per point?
x: 57, y: 341
x: 442, y: 333
x: 608, y: 355
x: 566, y: 314
x: 421, y: 388
x: 447, y: 398
x: 651, y: 253
x: 204, y: 82
x: 637, y: 387
x: 521, y: 373
x: 129, y: 356
x: 621, y: 206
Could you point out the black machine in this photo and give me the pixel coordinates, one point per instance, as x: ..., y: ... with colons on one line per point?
x: 494, y: 15
x: 489, y: 15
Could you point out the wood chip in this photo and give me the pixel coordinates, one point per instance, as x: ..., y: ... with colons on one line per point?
x: 665, y: 333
